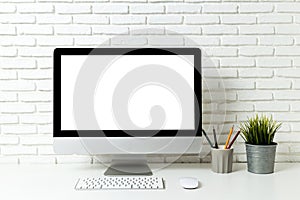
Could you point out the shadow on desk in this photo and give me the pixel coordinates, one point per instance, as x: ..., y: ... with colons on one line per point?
x: 237, y: 167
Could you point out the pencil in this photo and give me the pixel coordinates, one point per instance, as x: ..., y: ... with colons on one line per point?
x: 228, y: 137
x: 231, y: 143
x: 215, y: 137
x: 207, y: 139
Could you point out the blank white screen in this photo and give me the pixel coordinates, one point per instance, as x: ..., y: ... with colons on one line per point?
x: 142, y: 98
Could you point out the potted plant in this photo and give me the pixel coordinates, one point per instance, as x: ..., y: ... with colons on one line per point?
x: 258, y: 133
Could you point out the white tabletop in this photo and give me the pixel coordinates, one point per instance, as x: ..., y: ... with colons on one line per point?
x: 58, y: 181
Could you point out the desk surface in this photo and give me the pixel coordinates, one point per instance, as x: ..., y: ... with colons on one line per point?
x: 58, y: 181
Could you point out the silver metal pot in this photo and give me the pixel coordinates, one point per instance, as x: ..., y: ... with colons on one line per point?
x: 261, y: 158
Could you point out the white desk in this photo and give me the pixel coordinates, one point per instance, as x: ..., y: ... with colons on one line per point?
x: 57, y: 182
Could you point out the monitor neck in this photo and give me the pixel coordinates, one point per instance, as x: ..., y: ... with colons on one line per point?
x: 128, y: 165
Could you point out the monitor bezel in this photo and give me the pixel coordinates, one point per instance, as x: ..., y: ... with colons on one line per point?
x: 58, y: 52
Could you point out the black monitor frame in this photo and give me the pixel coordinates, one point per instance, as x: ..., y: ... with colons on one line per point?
x: 58, y: 52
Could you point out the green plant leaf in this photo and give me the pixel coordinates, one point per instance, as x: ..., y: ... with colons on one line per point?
x: 259, y: 130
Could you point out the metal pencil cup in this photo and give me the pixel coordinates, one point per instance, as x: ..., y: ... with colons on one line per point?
x: 221, y: 160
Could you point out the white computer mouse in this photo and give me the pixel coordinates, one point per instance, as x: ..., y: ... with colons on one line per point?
x: 189, y: 182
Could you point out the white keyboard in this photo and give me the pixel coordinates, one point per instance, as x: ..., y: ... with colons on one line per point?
x: 126, y: 182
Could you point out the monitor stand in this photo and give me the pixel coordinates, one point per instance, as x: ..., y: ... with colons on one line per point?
x: 128, y: 165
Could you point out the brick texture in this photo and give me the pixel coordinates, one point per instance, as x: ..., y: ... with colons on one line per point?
x: 251, y: 62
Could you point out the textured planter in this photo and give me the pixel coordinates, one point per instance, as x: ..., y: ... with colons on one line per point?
x: 261, y: 158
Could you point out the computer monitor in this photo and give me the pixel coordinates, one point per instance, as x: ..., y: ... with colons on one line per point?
x: 127, y: 102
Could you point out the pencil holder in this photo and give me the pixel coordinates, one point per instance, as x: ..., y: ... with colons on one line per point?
x: 221, y: 160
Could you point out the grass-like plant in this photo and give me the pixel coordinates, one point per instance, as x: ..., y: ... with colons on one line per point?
x: 259, y: 130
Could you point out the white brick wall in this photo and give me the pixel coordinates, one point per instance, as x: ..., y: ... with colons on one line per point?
x: 250, y: 47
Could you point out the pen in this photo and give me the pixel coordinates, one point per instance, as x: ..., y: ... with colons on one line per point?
x: 231, y: 143
x: 207, y: 139
x: 228, y: 138
x: 215, y: 137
